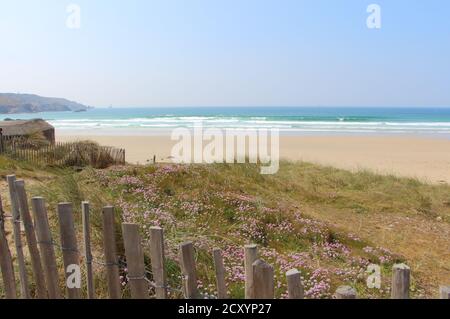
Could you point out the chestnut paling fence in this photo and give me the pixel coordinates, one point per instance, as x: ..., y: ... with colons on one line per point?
x: 62, y: 153
x: 259, y: 276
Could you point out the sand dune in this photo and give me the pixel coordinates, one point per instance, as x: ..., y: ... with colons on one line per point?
x: 421, y: 157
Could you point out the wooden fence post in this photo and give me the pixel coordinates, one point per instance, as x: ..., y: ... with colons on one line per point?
x: 345, y: 292
x: 400, y: 281
x: 294, y: 283
x: 87, y: 250
x: 135, y: 261
x: 111, y: 260
x: 24, y: 290
x: 444, y: 292
x: 250, y: 256
x: 47, y: 247
x: 41, y: 291
x: 2, y: 147
x: 158, y: 261
x: 189, y: 271
x: 263, y: 280
x: 220, y: 274
x: 6, y: 263
x: 69, y: 249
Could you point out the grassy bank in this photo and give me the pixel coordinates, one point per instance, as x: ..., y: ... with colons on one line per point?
x: 328, y: 223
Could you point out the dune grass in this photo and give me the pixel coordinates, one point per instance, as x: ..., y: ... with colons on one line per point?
x: 328, y: 223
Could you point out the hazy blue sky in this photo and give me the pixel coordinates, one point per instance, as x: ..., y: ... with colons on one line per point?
x: 228, y: 52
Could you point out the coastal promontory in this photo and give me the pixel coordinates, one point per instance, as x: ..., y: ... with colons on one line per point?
x: 11, y: 103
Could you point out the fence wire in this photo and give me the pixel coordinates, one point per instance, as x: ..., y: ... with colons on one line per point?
x: 97, y: 260
x: 119, y: 263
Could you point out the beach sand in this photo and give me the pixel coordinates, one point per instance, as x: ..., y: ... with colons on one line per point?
x: 425, y: 158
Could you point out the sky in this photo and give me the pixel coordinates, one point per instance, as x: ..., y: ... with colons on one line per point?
x: 144, y: 53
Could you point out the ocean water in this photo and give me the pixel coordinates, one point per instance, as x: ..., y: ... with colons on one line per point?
x: 289, y: 120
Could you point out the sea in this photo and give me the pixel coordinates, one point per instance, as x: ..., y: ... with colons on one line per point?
x: 288, y: 120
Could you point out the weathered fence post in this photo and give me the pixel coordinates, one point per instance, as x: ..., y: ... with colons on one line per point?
x: 87, y: 250
x: 30, y: 235
x: 263, y: 280
x: 400, y: 281
x: 24, y: 290
x: 158, y: 260
x: 70, y: 252
x: 111, y: 260
x: 294, y: 283
x: 250, y: 256
x: 6, y: 263
x: 2, y: 145
x: 135, y: 261
x: 47, y: 247
x: 444, y: 292
x: 345, y: 292
x: 189, y: 271
x: 220, y: 274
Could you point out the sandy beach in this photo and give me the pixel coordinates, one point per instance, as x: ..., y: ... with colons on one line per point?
x: 425, y: 158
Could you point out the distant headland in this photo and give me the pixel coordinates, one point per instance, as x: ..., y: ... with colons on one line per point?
x: 11, y: 103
